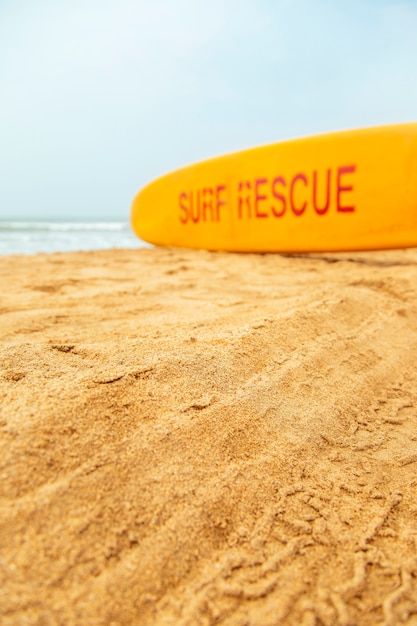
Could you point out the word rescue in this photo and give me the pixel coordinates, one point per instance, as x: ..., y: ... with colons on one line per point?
x: 275, y: 197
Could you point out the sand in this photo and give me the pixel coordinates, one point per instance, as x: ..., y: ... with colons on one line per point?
x: 193, y: 438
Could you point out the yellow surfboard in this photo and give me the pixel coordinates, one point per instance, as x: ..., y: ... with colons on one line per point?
x: 352, y: 190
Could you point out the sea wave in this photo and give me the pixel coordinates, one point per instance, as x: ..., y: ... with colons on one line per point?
x: 18, y: 237
x: 63, y: 226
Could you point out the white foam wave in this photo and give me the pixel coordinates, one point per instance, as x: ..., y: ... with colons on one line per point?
x: 63, y: 226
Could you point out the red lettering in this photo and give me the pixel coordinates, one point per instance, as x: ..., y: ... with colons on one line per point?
x: 207, y: 204
x: 321, y: 210
x: 281, y: 181
x: 297, y: 210
x: 270, y: 196
x: 219, y: 201
x: 347, y: 169
x: 259, y: 197
x: 195, y: 218
x: 241, y: 201
x: 183, y: 219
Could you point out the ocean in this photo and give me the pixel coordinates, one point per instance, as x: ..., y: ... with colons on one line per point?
x: 32, y: 237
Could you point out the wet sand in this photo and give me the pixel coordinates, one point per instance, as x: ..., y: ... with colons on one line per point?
x: 191, y: 438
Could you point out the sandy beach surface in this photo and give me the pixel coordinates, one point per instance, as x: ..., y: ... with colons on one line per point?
x: 191, y: 438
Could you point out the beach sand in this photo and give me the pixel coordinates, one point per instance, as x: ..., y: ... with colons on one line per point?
x: 192, y: 438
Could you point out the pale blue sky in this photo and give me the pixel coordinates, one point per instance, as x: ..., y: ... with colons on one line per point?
x: 98, y: 97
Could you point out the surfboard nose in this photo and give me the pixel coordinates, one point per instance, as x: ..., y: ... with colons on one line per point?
x: 144, y: 216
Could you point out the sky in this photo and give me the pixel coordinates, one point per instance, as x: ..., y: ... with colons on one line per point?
x: 99, y: 97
